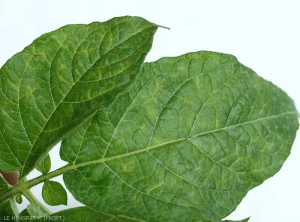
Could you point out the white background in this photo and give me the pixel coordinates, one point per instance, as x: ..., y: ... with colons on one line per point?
x: 264, y: 35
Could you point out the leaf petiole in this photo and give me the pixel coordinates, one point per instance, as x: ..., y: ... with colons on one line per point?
x: 25, y: 185
x: 31, y: 198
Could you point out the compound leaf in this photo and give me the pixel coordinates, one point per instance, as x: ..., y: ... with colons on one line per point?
x: 62, y: 78
x: 186, y: 143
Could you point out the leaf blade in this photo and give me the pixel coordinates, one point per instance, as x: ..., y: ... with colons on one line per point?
x: 45, y: 165
x: 61, y: 79
x: 244, y: 220
x: 35, y: 211
x: 8, y: 210
x: 54, y: 193
x: 4, y: 186
x: 191, y: 137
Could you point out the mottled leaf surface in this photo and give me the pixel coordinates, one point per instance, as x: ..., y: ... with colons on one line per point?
x: 191, y: 137
x: 62, y: 78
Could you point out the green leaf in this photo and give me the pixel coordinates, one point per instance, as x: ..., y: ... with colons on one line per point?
x: 36, y: 211
x: 54, y: 193
x: 3, y: 184
x: 186, y: 143
x: 85, y: 214
x: 8, y: 210
x: 62, y: 78
x: 19, y: 198
x: 45, y: 166
x: 25, y: 216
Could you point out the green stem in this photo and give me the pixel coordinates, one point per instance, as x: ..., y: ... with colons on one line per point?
x: 31, y: 198
x: 25, y: 185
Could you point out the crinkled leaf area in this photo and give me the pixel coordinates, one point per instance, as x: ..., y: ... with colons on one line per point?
x: 61, y: 79
x: 186, y: 143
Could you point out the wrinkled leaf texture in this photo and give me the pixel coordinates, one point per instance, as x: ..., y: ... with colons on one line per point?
x: 62, y: 78
x: 186, y: 143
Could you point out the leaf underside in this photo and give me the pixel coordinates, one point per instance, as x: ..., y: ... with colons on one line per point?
x: 61, y: 79
x: 186, y: 143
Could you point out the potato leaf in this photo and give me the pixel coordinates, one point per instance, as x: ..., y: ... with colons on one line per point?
x: 36, y: 211
x: 186, y: 143
x: 19, y: 198
x: 61, y: 79
x: 4, y: 186
x: 8, y: 210
x: 45, y: 165
x: 54, y: 193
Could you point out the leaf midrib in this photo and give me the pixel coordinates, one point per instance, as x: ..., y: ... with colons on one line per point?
x: 69, y: 167
x: 146, y: 149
